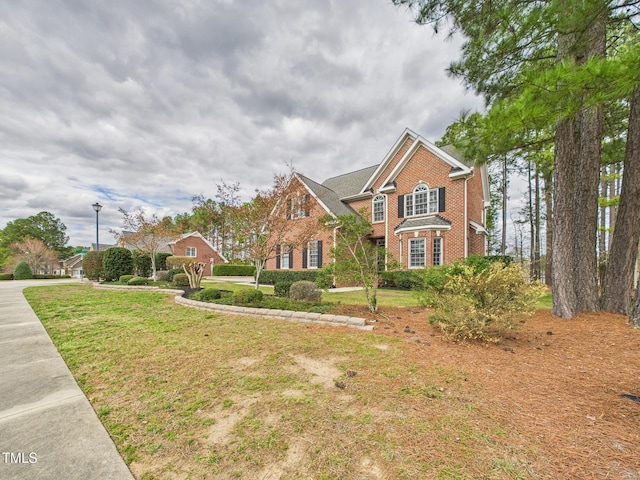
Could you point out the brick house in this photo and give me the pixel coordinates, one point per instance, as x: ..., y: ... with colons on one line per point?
x: 199, y: 248
x: 426, y: 205
x: 188, y: 245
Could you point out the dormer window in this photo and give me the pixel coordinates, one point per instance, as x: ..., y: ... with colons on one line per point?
x: 378, y: 208
x: 421, y: 201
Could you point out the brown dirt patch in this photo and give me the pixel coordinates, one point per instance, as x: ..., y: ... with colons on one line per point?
x: 560, y: 383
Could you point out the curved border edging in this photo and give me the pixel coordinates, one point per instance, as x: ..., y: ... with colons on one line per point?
x: 290, y: 315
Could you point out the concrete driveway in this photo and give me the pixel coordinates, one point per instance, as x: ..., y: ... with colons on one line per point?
x: 48, y: 429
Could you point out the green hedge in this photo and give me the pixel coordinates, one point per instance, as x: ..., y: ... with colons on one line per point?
x: 406, y: 279
x: 92, y: 264
x: 272, y: 277
x: 231, y: 270
x: 117, y: 261
x: 6, y: 276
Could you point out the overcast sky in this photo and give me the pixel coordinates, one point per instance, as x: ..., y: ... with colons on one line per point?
x: 144, y: 104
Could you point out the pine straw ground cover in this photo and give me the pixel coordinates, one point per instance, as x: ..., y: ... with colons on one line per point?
x: 190, y: 394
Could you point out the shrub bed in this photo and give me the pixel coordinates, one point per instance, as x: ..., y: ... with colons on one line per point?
x: 138, y: 281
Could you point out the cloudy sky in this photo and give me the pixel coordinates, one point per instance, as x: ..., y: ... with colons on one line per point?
x: 145, y: 104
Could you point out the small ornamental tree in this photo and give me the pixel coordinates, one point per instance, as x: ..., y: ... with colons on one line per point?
x: 92, y: 265
x: 275, y: 217
x: 22, y: 271
x: 117, y: 261
x: 148, y: 234
x: 356, y: 257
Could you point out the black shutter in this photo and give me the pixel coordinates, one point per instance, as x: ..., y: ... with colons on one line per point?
x: 319, y: 253
x: 277, y: 257
x: 400, y: 206
x: 304, y: 257
x: 441, y: 207
x: 291, y: 257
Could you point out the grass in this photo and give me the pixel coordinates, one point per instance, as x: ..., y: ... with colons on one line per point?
x: 191, y: 394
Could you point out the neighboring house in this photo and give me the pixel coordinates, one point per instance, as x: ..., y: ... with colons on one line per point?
x: 199, y: 248
x: 426, y: 205
x: 73, y: 266
x: 188, y: 245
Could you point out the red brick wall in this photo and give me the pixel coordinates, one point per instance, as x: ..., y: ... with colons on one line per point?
x: 204, y: 253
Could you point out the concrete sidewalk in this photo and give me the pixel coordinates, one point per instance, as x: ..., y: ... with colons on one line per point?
x: 48, y: 429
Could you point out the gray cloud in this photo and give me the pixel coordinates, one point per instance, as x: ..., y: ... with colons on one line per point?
x: 145, y: 104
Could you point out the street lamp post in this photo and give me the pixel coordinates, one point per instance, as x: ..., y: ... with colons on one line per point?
x: 97, y: 207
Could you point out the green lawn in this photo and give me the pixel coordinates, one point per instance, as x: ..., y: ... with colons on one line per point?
x: 192, y: 394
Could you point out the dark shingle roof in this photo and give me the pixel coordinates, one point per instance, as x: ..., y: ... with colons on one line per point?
x: 328, y: 197
x: 350, y: 183
x: 422, y: 222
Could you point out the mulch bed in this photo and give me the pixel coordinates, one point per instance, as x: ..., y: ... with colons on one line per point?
x: 571, y: 388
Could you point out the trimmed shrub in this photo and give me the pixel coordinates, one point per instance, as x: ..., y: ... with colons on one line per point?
x: 207, y: 295
x: 232, y: 270
x: 6, y: 276
x: 405, y: 279
x: 305, y: 291
x: 171, y: 273
x: 175, y: 261
x: 481, y: 305
x: 161, y: 260
x: 141, y: 264
x: 181, y: 280
x: 92, y: 265
x: 281, y: 289
x: 117, y: 261
x: 139, y: 281
x: 271, y: 277
x: 247, y: 296
x: 162, y: 276
x: 324, y: 277
x: 124, y: 279
x: 22, y: 272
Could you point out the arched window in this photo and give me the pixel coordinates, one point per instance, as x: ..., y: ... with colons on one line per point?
x: 421, y: 201
x: 378, y: 208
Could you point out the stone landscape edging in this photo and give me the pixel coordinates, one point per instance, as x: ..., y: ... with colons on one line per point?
x: 270, y: 313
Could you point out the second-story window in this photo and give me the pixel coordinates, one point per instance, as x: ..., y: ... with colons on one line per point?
x: 191, y: 252
x: 298, y: 207
x: 421, y: 201
x: 378, y: 208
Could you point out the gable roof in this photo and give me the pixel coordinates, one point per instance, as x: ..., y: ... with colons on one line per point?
x: 196, y: 234
x: 328, y: 198
x: 350, y: 184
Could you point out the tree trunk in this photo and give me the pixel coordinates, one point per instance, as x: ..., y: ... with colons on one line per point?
x: 548, y: 204
x: 635, y: 313
x: 618, y: 282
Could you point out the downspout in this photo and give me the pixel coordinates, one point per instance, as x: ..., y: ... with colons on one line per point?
x: 386, y: 231
x: 466, y: 219
x: 335, y: 229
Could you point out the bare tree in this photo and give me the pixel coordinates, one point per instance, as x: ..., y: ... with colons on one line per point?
x: 35, y: 252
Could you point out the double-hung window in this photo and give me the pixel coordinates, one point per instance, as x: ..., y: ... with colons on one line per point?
x: 378, y: 208
x: 421, y: 201
x: 285, y: 257
x: 416, y: 253
x: 312, y: 254
x: 191, y: 252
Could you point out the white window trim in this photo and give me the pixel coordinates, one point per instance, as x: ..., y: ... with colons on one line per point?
x: 285, y: 250
x: 433, y: 245
x: 378, y: 199
x: 309, y: 249
x: 410, y: 201
x: 195, y: 251
x: 410, y: 254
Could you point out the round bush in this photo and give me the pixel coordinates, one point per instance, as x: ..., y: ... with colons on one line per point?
x: 247, y: 296
x: 117, y: 261
x: 281, y: 289
x: 305, y: 291
x: 124, y: 279
x: 173, y: 272
x: 181, y: 280
x: 22, y: 271
x: 138, y: 281
x: 208, y: 294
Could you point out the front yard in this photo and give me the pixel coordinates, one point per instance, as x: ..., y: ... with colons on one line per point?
x: 192, y: 394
